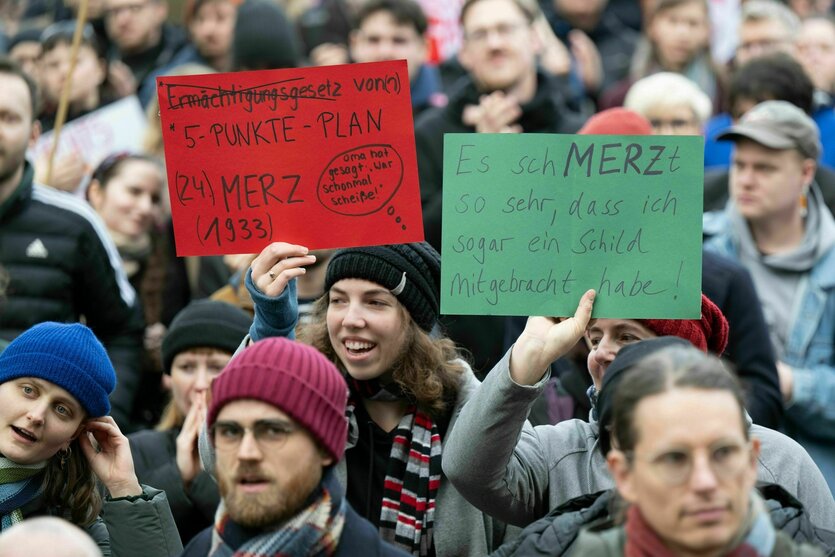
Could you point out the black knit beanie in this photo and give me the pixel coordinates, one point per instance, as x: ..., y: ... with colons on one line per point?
x: 386, y: 266
x: 205, y: 324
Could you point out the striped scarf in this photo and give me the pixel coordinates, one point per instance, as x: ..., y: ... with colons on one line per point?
x: 413, y: 475
x: 313, y: 531
x: 19, y: 484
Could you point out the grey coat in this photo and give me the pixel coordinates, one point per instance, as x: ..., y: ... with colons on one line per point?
x: 518, y: 473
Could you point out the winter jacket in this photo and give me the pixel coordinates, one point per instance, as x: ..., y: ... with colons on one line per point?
x: 358, y: 539
x: 729, y: 286
x: 810, y: 350
x: 554, y: 535
x: 155, y: 460
x: 63, y: 265
x: 518, y: 473
x: 460, y: 529
x: 140, y: 526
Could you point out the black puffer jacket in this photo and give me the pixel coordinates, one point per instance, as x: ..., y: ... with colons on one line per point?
x: 63, y: 266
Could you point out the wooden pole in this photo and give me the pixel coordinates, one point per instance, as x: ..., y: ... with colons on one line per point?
x: 64, y: 101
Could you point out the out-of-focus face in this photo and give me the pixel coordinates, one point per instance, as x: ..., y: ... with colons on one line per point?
x: 130, y: 200
x: 690, y: 478
x: 37, y: 419
x: 760, y: 37
x: 766, y: 184
x: 679, y: 33
x: 267, y: 464
x: 26, y: 54
x: 16, y: 128
x: 673, y: 120
x: 583, y: 14
x: 816, y: 52
x: 607, y: 337
x: 499, y: 47
x: 367, y: 327
x: 135, y: 25
x: 810, y: 8
x: 213, y: 28
x: 380, y: 37
x: 192, y: 373
x: 88, y: 75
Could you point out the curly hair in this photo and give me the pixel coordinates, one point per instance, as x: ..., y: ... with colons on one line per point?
x: 427, y: 369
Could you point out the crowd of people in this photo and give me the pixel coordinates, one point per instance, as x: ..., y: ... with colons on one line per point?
x: 297, y: 402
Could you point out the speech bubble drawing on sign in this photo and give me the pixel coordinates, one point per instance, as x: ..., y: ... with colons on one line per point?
x: 361, y: 181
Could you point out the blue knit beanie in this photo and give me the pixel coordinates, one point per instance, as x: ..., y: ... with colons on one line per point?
x: 68, y: 355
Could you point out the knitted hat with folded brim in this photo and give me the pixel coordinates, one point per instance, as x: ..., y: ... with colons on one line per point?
x: 412, y: 272
x: 295, y: 378
x: 205, y: 324
x: 67, y: 355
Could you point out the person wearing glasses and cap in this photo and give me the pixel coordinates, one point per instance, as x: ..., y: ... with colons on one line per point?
x: 779, y: 228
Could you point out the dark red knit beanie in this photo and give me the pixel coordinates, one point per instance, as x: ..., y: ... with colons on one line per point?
x: 295, y: 378
x: 708, y: 334
x: 616, y: 121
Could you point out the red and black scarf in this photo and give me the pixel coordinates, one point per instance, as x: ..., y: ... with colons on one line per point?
x: 413, y: 474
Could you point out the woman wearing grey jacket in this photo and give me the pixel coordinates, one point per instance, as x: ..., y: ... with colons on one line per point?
x: 518, y: 473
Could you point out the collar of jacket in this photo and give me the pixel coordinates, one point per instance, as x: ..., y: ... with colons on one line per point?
x: 21, y: 193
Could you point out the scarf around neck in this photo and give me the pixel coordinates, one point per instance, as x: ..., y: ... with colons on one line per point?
x: 755, y: 539
x: 19, y: 484
x: 315, y: 530
x: 413, y: 474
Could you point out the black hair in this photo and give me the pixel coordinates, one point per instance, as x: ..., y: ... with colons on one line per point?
x: 10, y: 67
x: 62, y: 32
x: 109, y: 167
x: 404, y: 12
x: 772, y: 77
x: 670, y: 368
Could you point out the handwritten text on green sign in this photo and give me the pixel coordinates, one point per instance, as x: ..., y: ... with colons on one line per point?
x: 532, y: 221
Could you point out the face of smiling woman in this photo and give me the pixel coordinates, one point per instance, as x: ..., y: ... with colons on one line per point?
x: 37, y: 419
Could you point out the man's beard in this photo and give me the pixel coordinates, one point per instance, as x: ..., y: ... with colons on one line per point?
x: 271, y: 507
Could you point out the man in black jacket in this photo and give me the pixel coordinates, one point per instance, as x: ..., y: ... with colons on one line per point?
x: 60, y: 263
x: 503, y: 92
x: 277, y: 425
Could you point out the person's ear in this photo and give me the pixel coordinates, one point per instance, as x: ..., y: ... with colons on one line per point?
x: 621, y: 470
x: 95, y: 193
x: 166, y: 381
x: 809, y: 167
x: 35, y: 134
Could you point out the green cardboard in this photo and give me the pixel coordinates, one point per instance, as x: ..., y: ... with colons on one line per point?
x: 532, y: 221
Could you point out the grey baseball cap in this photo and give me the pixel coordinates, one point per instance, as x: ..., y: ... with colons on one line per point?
x: 778, y: 125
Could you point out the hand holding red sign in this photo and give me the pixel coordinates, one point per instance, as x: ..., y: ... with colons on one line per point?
x: 321, y: 157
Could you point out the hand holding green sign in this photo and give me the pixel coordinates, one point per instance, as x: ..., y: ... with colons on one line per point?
x: 531, y: 222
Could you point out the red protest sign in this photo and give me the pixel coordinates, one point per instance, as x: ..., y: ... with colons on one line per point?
x: 323, y: 157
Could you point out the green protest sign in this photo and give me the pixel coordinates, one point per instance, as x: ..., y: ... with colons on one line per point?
x: 530, y: 222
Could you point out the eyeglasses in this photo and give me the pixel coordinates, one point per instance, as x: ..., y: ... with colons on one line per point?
x: 131, y: 9
x: 502, y: 30
x: 228, y: 436
x: 764, y: 46
x: 674, y: 467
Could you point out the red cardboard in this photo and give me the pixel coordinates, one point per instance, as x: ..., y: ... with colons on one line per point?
x: 323, y: 157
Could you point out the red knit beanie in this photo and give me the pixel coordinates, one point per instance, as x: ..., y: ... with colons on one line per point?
x: 616, y: 121
x: 708, y: 334
x: 295, y: 378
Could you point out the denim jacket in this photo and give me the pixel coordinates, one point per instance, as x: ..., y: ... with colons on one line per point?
x: 810, y: 351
